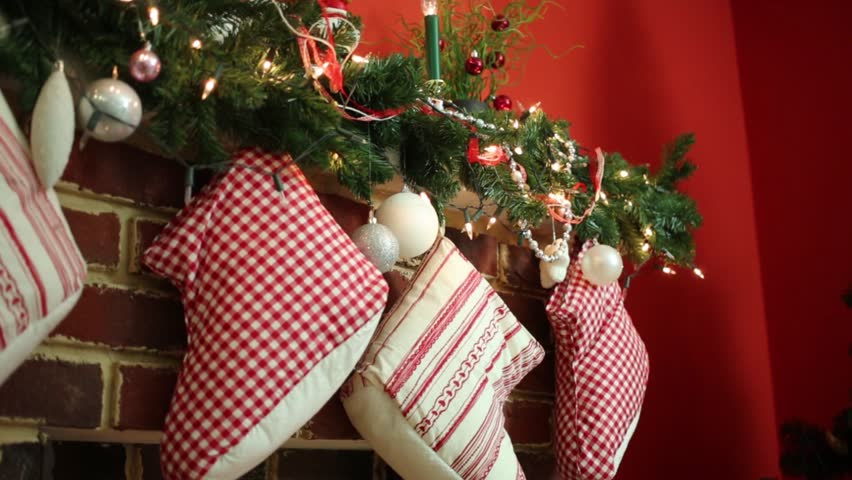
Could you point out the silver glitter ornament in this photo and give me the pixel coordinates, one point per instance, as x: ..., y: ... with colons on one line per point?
x: 378, y: 243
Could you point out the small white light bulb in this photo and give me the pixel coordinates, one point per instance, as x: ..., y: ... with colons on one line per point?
x: 209, y: 86
x: 468, y: 228
x: 698, y: 273
x: 491, y: 222
x: 195, y: 44
x: 154, y: 15
x: 429, y: 7
x: 623, y: 174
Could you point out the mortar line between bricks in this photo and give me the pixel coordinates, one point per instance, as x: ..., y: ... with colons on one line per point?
x: 534, y: 397
x: 272, y: 466
x: 502, y: 262
x: 148, y: 284
x: 132, y: 463
x: 94, y: 353
x: 134, y: 250
x: 109, y: 435
x: 11, y: 431
x: 83, y: 196
x: 153, y: 292
x: 171, y: 357
x: 111, y: 394
x: 531, y: 399
x: 108, y: 396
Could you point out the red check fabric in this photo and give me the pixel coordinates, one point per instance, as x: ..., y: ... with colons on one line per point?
x: 602, y: 372
x: 271, y: 285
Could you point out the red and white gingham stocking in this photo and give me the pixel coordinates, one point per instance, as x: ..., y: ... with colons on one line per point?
x: 601, y: 376
x: 279, y: 303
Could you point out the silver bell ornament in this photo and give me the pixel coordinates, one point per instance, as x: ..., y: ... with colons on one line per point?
x: 378, y: 243
x: 110, y: 110
x: 601, y: 265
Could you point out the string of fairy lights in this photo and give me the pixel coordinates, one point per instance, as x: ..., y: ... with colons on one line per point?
x: 564, y: 151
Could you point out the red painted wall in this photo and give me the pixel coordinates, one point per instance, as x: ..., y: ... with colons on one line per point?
x: 796, y: 80
x: 651, y: 69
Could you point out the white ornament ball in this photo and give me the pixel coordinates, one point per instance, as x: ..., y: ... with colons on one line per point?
x: 53, y: 128
x: 412, y: 220
x: 554, y: 272
x: 110, y: 110
x: 378, y: 243
x: 602, y: 265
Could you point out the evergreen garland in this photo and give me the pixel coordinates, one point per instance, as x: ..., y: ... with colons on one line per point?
x: 279, y: 109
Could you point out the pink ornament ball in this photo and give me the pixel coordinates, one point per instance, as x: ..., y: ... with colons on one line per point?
x: 144, y: 65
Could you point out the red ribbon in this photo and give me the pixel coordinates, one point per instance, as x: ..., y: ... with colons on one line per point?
x: 596, y: 169
x: 492, y: 156
x: 332, y: 69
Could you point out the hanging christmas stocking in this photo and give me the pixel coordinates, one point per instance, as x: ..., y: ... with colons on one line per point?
x: 428, y: 394
x: 279, y: 306
x: 601, y: 375
x: 41, y: 269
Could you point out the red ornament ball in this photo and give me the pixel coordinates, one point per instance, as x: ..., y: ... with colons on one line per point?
x: 497, y: 60
x: 441, y: 44
x: 500, y: 23
x: 474, y: 65
x: 502, y: 103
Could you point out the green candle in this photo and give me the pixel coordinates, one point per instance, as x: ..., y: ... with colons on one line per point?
x: 433, y: 50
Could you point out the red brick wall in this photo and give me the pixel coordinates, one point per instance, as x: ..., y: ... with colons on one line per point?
x: 96, y: 393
